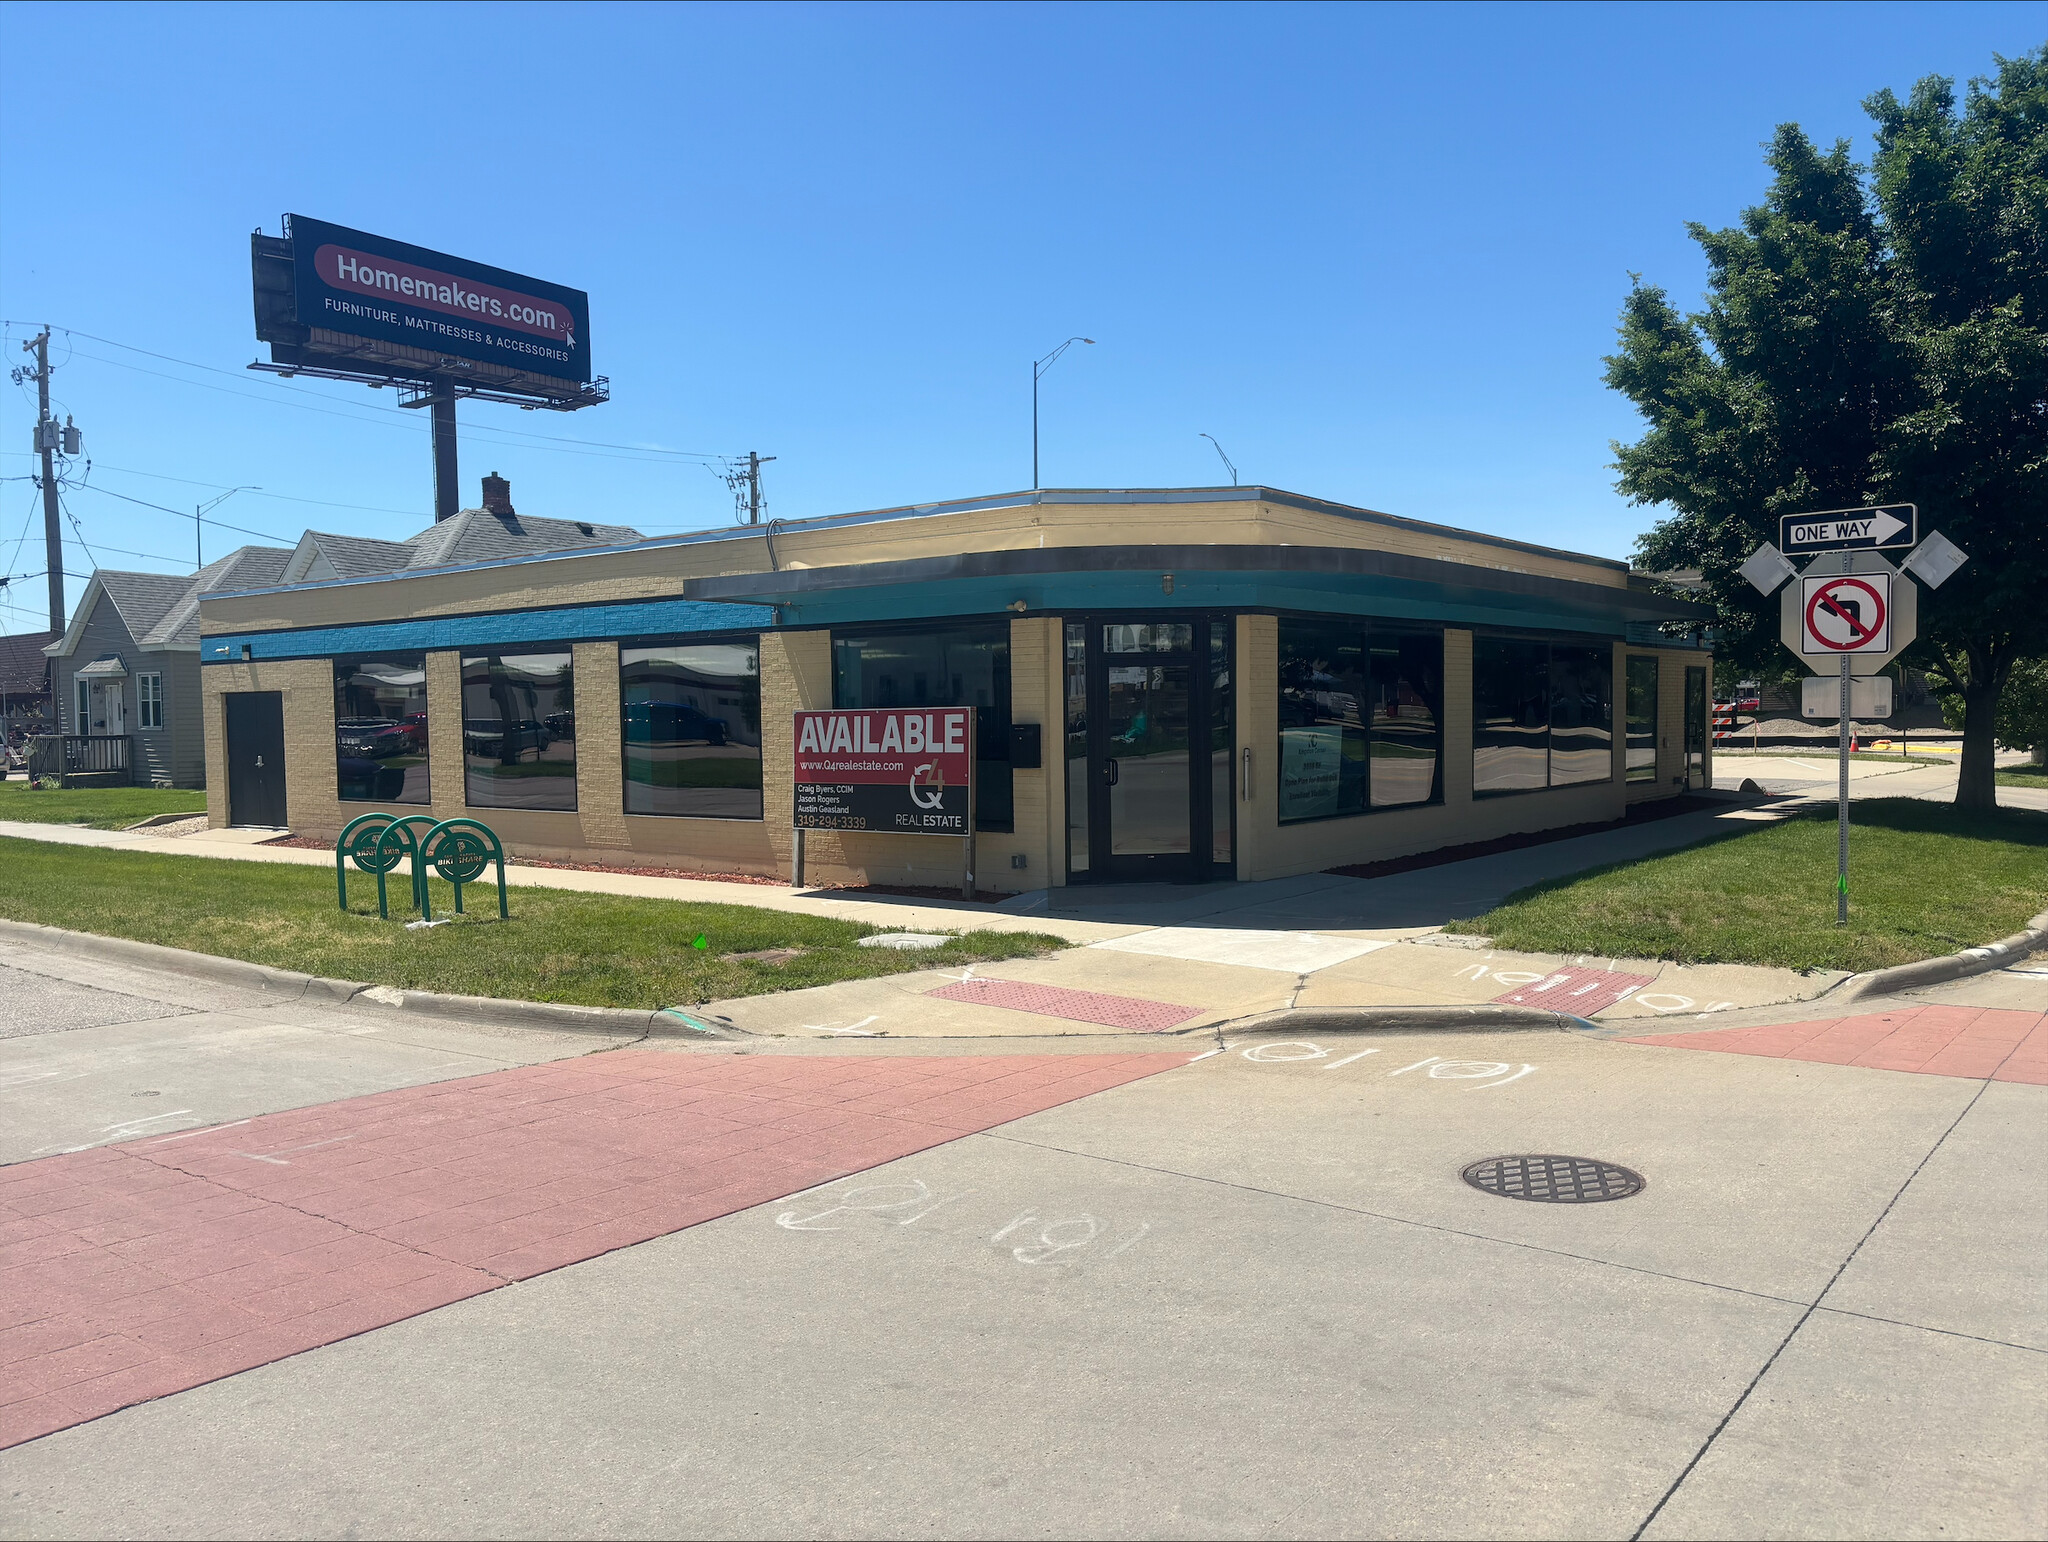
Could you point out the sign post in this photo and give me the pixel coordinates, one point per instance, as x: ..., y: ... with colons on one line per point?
x: 907, y: 771
x: 1853, y: 607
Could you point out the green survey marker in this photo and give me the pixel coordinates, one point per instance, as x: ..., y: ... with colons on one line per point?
x: 701, y: 943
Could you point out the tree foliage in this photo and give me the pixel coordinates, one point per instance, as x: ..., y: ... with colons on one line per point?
x: 1870, y: 335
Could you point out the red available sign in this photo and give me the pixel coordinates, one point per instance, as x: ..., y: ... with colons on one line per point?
x: 904, y: 771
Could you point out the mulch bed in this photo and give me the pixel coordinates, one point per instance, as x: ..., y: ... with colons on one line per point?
x: 1638, y: 814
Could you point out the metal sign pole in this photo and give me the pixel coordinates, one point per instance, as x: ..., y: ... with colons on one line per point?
x: 1842, y: 794
x: 967, y: 845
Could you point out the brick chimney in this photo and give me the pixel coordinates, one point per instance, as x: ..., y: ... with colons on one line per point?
x: 497, y: 495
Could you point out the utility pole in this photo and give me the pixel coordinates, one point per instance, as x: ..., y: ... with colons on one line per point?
x: 745, y: 482
x: 47, y: 443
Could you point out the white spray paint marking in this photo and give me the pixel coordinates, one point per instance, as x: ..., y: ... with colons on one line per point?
x: 1678, y: 1003
x: 1271, y: 1054
x: 860, y: 1028
x: 1334, y: 1064
x: 209, y: 1130
x: 277, y: 1158
x: 1057, y: 1239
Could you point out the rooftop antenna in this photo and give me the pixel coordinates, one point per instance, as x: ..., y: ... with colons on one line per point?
x: 1226, y: 459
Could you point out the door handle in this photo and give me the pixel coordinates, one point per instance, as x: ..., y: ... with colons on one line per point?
x: 1109, y: 773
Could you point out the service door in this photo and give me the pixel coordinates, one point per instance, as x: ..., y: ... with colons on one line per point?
x: 255, y: 728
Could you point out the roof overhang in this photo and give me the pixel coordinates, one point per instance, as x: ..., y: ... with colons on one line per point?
x: 108, y: 666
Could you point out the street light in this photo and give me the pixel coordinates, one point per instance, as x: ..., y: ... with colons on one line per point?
x: 1226, y: 459
x: 1038, y: 369
x: 198, y: 547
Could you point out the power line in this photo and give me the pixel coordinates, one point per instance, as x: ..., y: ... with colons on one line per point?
x: 220, y: 524
x: 158, y: 476
x: 583, y: 445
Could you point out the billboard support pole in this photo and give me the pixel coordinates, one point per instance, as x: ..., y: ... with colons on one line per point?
x: 447, y: 491
x: 796, y: 860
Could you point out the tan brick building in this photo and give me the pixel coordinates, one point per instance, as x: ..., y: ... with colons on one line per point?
x: 1177, y: 684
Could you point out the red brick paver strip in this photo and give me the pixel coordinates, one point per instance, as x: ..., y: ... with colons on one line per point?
x: 1581, y: 992
x: 130, y: 1272
x: 1975, y: 1042
x: 1075, y: 1006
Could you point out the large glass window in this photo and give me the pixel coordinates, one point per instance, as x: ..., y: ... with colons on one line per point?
x: 1542, y: 714
x: 1581, y: 715
x: 1642, y: 719
x: 149, y: 700
x: 1077, y: 746
x: 380, y: 729
x: 691, y: 720
x: 519, y: 730
x: 950, y: 666
x: 1361, y: 708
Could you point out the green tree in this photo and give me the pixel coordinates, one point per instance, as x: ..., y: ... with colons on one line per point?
x: 1870, y: 335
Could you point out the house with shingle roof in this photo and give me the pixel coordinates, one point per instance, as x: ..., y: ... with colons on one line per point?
x: 128, y: 664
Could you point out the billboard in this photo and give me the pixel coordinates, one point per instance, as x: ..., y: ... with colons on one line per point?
x: 902, y: 771
x: 350, y: 282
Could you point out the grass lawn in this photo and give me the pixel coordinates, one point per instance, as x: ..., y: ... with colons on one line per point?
x: 2023, y: 776
x: 1924, y: 879
x: 591, y: 949
x: 103, y: 808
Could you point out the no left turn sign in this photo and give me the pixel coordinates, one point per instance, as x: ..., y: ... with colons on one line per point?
x: 1846, y: 613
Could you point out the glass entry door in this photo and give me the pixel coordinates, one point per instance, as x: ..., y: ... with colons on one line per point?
x: 1148, y: 749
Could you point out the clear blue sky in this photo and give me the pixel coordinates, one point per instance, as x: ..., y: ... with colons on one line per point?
x: 1377, y: 251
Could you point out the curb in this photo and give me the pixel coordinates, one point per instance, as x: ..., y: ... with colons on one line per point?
x: 1954, y: 966
x: 1480, y: 1018
x: 290, y: 985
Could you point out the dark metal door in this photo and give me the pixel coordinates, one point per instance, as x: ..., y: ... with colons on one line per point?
x: 255, y: 729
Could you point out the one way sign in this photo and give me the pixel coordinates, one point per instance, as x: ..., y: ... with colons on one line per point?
x: 1878, y: 529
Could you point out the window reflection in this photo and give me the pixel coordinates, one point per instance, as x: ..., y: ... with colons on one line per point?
x: 691, y: 720
x: 1542, y: 714
x: 380, y: 729
x: 1361, y: 710
x: 519, y: 731
x: 1642, y: 719
x: 950, y: 666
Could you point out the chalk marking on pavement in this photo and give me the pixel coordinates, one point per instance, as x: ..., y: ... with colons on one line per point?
x: 1143, y: 1227
x: 1526, y: 1069
x: 208, y: 1130
x: 1348, y: 1059
x: 1205, y: 1054
x: 860, y: 1028
x: 1415, y: 1067
x: 277, y: 1158
x: 1265, y: 1054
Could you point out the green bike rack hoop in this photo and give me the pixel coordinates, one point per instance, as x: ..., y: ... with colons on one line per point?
x: 384, y: 840
x: 459, y: 850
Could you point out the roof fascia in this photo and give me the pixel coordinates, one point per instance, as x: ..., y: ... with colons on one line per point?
x: 1047, y: 497
x: 66, y: 645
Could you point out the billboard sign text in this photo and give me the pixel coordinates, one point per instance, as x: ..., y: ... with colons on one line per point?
x: 901, y: 771
x: 368, y: 286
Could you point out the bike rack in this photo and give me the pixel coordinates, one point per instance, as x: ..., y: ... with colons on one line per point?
x: 459, y: 850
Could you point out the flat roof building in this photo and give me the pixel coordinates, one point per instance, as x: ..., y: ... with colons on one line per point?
x: 1177, y: 684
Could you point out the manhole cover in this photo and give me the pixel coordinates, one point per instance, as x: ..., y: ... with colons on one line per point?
x: 1553, y: 1180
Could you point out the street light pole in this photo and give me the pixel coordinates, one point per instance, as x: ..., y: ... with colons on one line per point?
x: 1038, y: 369
x: 199, y: 512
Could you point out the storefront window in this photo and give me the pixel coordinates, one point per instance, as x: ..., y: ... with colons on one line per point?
x: 519, y: 731
x: 380, y: 729
x: 1542, y: 714
x: 1581, y: 715
x: 691, y: 722
x: 1222, y: 737
x: 946, y: 666
x: 1642, y: 719
x: 1361, y: 709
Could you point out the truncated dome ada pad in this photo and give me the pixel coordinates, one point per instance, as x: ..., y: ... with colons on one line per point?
x: 1553, y: 1180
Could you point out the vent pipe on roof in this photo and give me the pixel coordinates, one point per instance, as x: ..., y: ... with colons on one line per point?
x: 497, y: 495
